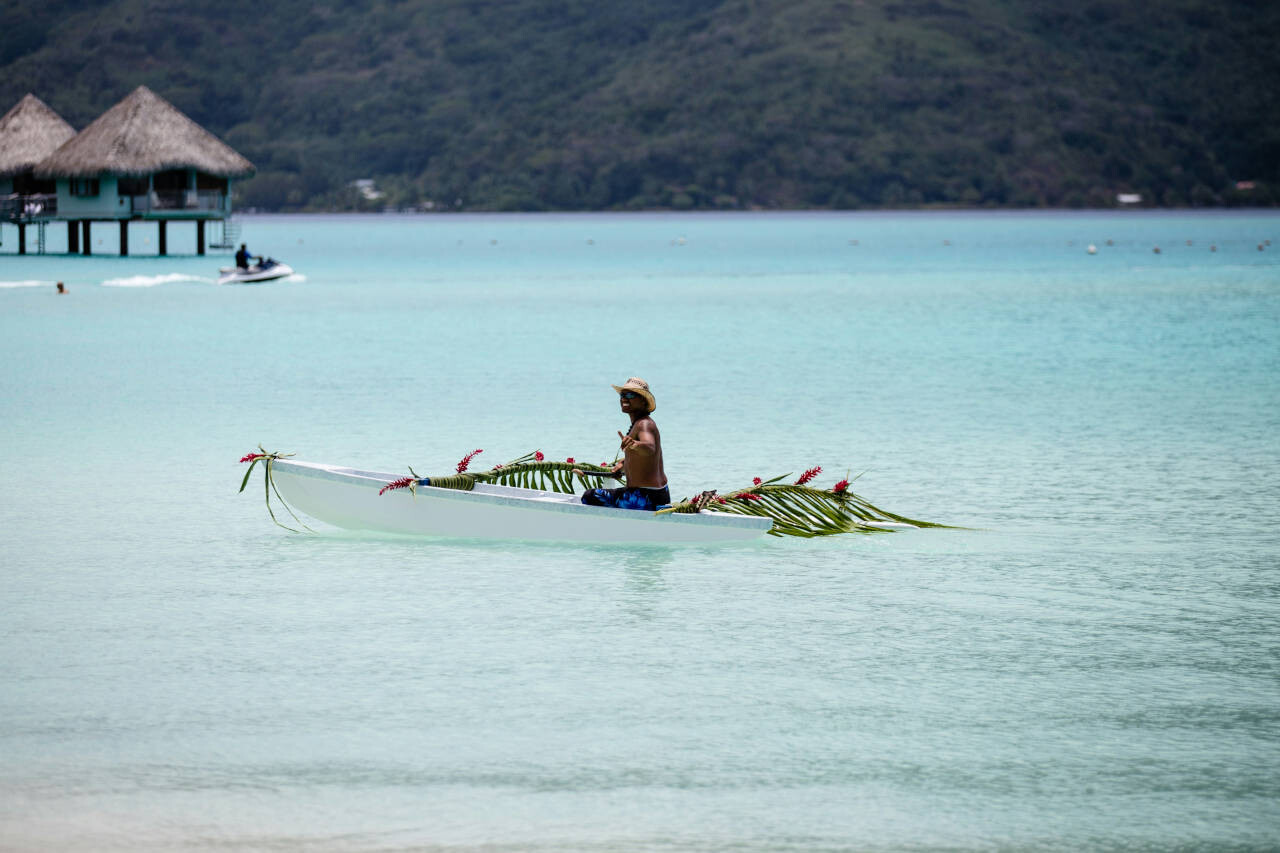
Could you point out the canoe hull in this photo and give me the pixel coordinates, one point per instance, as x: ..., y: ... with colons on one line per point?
x: 348, y: 498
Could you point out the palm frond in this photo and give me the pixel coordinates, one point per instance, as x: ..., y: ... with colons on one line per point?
x: 269, y: 485
x: 526, y: 472
x: 796, y: 509
x: 800, y: 510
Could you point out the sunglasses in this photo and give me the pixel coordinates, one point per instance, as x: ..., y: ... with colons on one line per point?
x: 628, y: 395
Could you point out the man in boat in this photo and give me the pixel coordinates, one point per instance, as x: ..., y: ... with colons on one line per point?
x: 641, y: 463
x: 243, y: 258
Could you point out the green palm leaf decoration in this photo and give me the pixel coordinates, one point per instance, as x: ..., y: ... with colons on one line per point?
x: 531, y: 471
x: 269, y: 484
x: 798, y: 509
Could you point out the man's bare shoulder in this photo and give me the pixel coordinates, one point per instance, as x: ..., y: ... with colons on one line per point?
x: 645, y: 424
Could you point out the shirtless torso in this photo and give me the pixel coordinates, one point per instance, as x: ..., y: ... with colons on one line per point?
x: 642, y: 454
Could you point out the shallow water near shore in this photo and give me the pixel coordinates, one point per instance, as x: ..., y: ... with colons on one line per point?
x: 1092, y: 663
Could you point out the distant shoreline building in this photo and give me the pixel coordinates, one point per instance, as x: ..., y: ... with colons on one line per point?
x: 142, y: 159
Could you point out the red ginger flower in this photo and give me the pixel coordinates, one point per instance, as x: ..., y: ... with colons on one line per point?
x: 569, y: 460
x: 809, y: 475
x: 755, y: 481
x: 466, y: 460
x: 841, y: 487
x: 249, y: 457
x: 397, y: 484
x: 537, y: 454
x: 748, y: 496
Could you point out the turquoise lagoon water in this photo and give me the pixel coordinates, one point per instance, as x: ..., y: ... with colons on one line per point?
x: 1094, y: 664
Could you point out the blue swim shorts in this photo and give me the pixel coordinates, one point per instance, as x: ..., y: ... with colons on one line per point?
x: 628, y: 497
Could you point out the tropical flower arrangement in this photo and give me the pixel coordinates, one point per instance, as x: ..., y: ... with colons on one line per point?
x: 269, y: 485
x: 796, y: 508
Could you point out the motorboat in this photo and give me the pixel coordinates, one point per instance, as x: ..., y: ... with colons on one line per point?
x: 266, y: 269
x: 359, y: 500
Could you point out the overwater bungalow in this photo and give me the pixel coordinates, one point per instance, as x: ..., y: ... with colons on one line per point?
x: 29, y: 133
x: 142, y: 160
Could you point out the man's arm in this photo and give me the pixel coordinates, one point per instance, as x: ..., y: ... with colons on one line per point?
x: 644, y: 442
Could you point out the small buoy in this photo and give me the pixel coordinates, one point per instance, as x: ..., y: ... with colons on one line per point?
x: 1260, y: 247
x: 1093, y: 250
x: 1156, y: 250
x: 1213, y: 248
x: 1188, y: 242
x: 1111, y: 242
x: 946, y: 242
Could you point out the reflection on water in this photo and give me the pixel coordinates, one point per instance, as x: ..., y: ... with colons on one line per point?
x: 645, y: 584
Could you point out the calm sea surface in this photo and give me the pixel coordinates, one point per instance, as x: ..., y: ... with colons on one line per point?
x: 1093, y: 665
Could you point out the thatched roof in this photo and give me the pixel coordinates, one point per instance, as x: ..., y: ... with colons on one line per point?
x: 30, y: 132
x: 141, y: 135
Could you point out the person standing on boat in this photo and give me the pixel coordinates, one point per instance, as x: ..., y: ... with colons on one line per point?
x: 641, y: 463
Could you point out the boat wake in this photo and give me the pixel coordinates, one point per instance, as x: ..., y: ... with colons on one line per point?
x: 27, y: 283
x: 153, y: 280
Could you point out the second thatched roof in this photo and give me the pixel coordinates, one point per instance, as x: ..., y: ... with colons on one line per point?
x: 141, y: 135
x: 30, y: 132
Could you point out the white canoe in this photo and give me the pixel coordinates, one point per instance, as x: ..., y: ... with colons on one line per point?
x: 347, y: 497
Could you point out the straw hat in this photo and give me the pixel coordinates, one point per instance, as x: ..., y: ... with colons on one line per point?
x: 640, y: 387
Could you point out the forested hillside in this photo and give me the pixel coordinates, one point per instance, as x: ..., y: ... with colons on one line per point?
x: 571, y: 104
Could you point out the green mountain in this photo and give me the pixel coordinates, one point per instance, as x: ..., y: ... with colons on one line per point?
x: 568, y: 104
